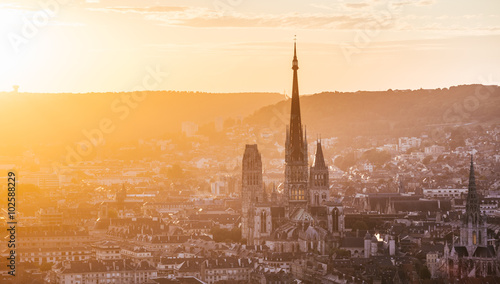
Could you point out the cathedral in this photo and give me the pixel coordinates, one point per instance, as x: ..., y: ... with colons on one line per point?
x: 472, y: 256
x: 300, y: 218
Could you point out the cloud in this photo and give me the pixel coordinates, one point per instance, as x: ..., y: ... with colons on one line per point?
x: 66, y: 24
x: 348, y: 6
x: 212, y: 19
x: 321, y: 6
x: 357, y: 5
x: 18, y: 6
x: 207, y: 18
x: 420, y: 3
x: 143, y: 10
x: 356, y: 19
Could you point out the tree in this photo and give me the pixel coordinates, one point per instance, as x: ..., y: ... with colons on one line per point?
x: 427, y: 160
x: 340, y: 253
x: 45, y: 266
x: 424, y: 272
x: 345, y: 162
x: 457, y: 138
x: 377, y: 157
x: 412, y: 149
x: 175, y: 172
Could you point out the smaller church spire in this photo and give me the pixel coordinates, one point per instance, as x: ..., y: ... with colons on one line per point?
x: 472, y: 210
x: 319, y: 160
x: 471, y: 174
x: 472, y: 178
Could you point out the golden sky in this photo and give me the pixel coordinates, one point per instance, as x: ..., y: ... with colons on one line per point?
x: 246, y: 45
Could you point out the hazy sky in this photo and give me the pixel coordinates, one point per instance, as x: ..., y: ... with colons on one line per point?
x: 246, y: 45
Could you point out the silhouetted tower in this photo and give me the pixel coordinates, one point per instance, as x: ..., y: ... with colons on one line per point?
x: 474, y: 230
x: 401, y: 186
x: 252, y: 189
x: 319, y: 179
x: 296, y: 165
x: 120, y: 197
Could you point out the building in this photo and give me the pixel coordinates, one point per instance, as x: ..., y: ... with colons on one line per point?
x: 472, y: 256
x: 445, y: 192
x: 136, y: 254
x: 432, y: 262
x: 103, y: 271
x: 49, y: 216
x: 434, y: 150
x: 406, y: 143
x: 53, y: 254
x: 53, y: 236
x: 226, y: 269
x: 106, y: 250
x: 45, y: 181
x: 300, y: 217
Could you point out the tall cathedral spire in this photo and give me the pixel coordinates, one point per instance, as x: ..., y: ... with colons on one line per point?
x: 296, y: 136
x: 296, y: 159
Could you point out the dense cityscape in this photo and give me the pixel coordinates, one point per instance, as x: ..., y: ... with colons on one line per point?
x: 302, y: 209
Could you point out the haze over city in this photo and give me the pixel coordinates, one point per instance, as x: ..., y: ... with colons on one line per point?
x: 239, y: 141
x: 239, y: 46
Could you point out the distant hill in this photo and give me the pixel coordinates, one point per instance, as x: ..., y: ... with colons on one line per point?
x: 393, y: 113
x: 31, y: 118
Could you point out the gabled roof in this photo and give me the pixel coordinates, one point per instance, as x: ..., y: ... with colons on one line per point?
x: 461, y: 251
x: 485, y: 252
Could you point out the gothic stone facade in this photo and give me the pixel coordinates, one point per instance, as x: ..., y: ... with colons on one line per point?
x: 472, y: 256
x: 300, y: 216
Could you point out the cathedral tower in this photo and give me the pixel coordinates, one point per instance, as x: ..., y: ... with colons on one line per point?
x: 296, y: 165
x: 319, y: 179
x: 252, y: 189
x: 473, y: 231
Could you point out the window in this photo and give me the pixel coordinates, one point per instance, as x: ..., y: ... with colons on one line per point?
x: 335, y: 219
x: 263, y: 223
